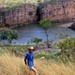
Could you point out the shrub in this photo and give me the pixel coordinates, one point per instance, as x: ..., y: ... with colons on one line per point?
x: 18, y: 50
x: 67, y: 48
x: 36, y: 40
x: 9, y: 34
x: 42, y: 55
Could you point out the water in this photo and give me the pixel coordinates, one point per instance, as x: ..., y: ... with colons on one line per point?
x: 26, y: 33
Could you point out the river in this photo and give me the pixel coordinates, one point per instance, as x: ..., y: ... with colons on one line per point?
x: 27, y: 32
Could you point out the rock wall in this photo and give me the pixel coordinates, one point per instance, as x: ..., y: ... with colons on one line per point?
x: 23, y: 14
x: 28, y: 13
x: 1, y: 18
x: 58, y: 11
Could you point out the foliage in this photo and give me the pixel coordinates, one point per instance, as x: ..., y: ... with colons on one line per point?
x: 50, y: 56
x: 2, y: 50
x: 18, y: 50
x: 55, y: 55
x: 62, y: 36
x: 9, y: 34
x: 67, y: 48
x: 42, y: 55
x: 12, y: 3
x: 45, y: 24
x: 36, y: 40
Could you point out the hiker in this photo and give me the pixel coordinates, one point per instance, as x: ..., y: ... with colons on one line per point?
x: 29, y: 60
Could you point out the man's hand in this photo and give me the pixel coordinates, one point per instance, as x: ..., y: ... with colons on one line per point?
x: 26, y: 63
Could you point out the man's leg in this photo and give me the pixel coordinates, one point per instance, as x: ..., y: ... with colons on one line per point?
x: 34, y: 70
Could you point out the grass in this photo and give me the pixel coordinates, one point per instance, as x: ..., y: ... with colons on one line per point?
x: 12, y: 65
x: 11, y: 3
x: 19, y: 50
x: 38, y: 56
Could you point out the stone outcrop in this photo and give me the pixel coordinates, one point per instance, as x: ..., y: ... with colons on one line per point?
x: 28, y: 13
x: 23, y: 14
x: 1, y: 15
x: 72, y: 26
x: 59, y: 11
x: 1, y: 18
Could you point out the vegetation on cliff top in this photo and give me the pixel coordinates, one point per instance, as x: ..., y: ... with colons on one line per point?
x: 11, y: 3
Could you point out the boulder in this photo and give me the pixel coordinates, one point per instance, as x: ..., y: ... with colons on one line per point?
x: 43, y: 58
x: 73, y: 26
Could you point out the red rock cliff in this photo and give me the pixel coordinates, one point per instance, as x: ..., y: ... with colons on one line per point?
x: 55, y: 12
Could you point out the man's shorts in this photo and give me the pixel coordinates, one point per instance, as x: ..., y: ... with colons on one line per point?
x: 31, y: 67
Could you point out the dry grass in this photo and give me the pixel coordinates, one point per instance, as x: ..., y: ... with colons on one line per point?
x: 12, y: 65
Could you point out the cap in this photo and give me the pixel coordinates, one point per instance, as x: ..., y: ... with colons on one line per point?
x: 31, y: 48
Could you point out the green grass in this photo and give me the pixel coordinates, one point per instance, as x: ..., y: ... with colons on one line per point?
x: 38, y: 56
x: 11, y: 3
x: 19, y: 50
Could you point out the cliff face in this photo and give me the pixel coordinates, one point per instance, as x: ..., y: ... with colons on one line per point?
x: 24, y: 14
x: 1, y: 18
x: 28, y: 13
x: 59, y: 11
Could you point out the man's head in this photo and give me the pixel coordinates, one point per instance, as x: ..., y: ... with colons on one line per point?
x: 31, y: 49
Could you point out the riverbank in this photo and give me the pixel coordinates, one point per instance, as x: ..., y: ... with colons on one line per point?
x: 66, y: 25
x: 40, y: 48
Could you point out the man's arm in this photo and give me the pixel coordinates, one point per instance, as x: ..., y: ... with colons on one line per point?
x: 26, y: 62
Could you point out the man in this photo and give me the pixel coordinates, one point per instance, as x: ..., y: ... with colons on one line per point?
x: 29, y: 60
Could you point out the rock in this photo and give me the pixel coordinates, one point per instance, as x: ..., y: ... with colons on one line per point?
x: 23, y: 14
x: 43, y: 58
x: 55, y: 12
x: 73, y: 26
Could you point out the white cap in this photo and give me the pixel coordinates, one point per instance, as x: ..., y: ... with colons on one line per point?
x: 32, y: 47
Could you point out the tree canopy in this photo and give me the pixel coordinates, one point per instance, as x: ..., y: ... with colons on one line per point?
x: 9, y: 34
x: 45, y: 24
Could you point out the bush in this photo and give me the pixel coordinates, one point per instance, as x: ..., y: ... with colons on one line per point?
x: 36, y: 40
x: 67, y: 49
x: 2, y: 50
x: 9, y: 34
x: 42, y: 55
x: 18, y: 50
x: 49, y: 56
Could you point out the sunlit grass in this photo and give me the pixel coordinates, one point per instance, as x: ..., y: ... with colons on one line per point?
x: 12, y: 65
x: 11, y: 3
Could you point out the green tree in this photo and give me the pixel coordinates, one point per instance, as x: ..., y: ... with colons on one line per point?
x: 46, y: 24
x: 9, y: 34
